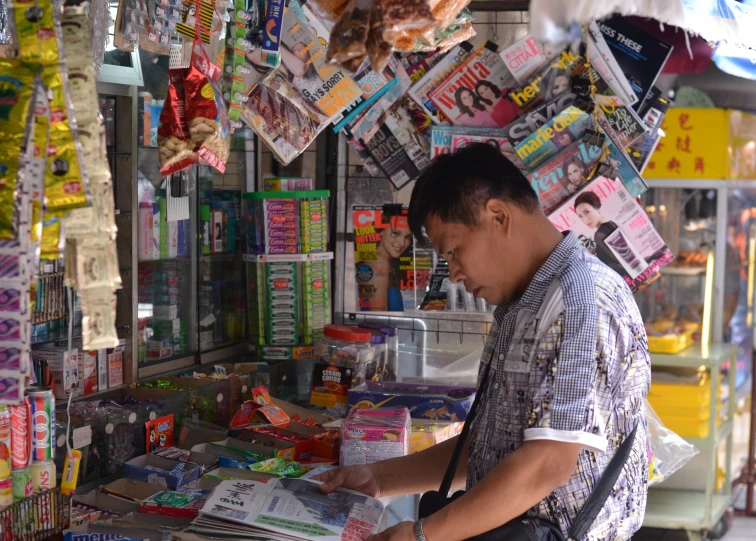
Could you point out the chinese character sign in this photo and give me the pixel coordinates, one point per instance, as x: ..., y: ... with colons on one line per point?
x: 695, y: 145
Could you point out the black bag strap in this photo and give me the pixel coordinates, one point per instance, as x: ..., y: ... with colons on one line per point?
x: 595, y: 501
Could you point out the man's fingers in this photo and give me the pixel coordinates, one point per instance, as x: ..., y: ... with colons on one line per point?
x: 332, y: 480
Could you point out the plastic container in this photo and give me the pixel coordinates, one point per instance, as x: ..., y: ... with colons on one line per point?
x: 280, y: 223
x: 391, y: 364
x: 374, y: 370
x: 342, y: 357
x: 193, y: 432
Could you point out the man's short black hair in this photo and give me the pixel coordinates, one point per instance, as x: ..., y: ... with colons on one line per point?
x: 456, y: 185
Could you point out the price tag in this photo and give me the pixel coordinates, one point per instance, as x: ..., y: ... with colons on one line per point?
x: 82, y: 436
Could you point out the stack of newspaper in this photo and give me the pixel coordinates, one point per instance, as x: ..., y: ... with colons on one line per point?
x: 287, y: 510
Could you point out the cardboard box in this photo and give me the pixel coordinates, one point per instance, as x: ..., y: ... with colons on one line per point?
x: 135, y: 469
x: 189, y: 510
x: 302, y: 448
x: 245, y: 448
x: 434, y: 402
x: 224, y: 474
x: 425, y: 433
x: 283, y: 448
x: 131, y: 490
x: 320, y: 448
x: 705, y: 144
x: 107, y: 502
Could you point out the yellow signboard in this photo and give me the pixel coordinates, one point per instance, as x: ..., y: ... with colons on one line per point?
x: 705, y: 144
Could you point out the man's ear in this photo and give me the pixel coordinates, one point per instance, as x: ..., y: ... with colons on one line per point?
x: 499, y: 213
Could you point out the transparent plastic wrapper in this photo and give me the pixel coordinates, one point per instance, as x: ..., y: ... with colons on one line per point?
x: 380, y: 43
x: 371, y: 435
x: 390, y: 367
x: 342, y: 357
x: 398, y: 15
x: 443, y: 36
x: 175, y: 148
x: 667, y: 452
x: 330, y: 10
x: 99, y: 20
x: 350, y: 33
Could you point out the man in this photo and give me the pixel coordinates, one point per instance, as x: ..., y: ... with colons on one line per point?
x: 564, y: 390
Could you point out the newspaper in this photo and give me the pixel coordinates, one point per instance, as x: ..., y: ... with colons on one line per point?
x: 613, y: 226
x: 286, y: 510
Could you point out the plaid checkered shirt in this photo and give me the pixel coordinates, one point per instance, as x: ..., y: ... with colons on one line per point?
x: 570, y: 364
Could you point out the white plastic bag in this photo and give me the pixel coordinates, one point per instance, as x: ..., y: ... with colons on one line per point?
x: 667, y: 452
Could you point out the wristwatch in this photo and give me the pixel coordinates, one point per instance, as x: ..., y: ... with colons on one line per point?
x: 418, y: 530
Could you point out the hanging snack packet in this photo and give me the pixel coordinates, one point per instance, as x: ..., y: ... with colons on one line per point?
x: 350, y: 33
x: 206, y: 113
x: 398, y: 15
x: 330, y: 10
x: 379, y: 42
x: 174, y: 144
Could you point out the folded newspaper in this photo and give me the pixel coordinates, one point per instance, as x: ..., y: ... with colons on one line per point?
x: 287, y: 510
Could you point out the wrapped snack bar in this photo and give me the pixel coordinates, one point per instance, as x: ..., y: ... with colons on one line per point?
x: 373, y: 435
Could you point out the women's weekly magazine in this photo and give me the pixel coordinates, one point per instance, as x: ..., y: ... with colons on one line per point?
x: 475, y: 94
x: 614, y: 226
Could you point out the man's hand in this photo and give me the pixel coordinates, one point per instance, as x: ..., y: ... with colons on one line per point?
x: 404, y: 531
x: 358, y: 478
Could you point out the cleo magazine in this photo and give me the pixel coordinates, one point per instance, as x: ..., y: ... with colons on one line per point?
x: 384, y: 260
x: 613, y: 226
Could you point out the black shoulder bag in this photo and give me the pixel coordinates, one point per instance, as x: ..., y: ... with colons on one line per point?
x: 526, y: 528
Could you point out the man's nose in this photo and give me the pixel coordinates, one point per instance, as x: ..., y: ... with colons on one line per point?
x: 455, y: 273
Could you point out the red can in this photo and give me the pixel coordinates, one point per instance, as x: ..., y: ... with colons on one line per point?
x: 42, y: 422
x: 20, y: 435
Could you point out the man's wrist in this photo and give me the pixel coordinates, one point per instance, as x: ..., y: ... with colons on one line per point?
x: 418, y: 530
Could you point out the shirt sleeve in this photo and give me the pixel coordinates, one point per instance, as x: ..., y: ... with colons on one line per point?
x: 566, y: 404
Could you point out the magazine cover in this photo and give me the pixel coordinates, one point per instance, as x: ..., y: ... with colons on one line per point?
x: 440, y: 71
x: 612, y: 225
x: 603, y: 60
x: 373, y: 86
x: 556, y: 135
x: 565, y: 174
x: 288, y: 509
x: 400, y: 123
x: 525, y: 125
x: 527, y: 56
x: 303, y: 62
x: 654, y: 111
x: 394, y: 160
x: 617, y: 164
x: 365, y: 124
x: 442, y: 137
x: 550, y: 82
x: 640, y: 55
x: 367, y: 160
x: 384, y: 262
x: 497, y: 141
x: 475, y: 94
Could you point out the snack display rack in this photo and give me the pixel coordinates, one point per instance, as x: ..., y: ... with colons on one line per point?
x: 37, y: 517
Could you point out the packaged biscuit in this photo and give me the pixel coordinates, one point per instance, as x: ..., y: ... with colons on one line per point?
x: 350, y: 34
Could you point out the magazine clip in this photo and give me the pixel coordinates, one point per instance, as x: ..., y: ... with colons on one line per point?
x: 467, y: 46
x: 594, y: 138
x: 491, y: 46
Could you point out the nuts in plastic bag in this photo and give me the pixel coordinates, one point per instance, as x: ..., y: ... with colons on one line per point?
x: 379, y: 42
x: 398, y: 15
x: 175, y: 148
x: 350, y: 33
x: 330, y: 10
x: 206, y: 113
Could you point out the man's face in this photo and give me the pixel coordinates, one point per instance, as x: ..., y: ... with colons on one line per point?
x: 483, y: 257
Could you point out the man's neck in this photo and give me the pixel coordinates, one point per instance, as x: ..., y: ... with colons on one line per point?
x: 542, y: 239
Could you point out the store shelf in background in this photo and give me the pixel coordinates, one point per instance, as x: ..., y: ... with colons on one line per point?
x: 723, y: 430
x: 456, y: 323
x: 683, y: 271
x: 57, y: 335
x: 228, y: 257
x: 288, y: 258
x: 710, y: 356
x: 682, y: 510
x: 182, y: 259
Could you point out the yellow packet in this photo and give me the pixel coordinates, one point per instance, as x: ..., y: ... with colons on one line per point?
x: 64, y: 185
x: 36, y: 35
x: 70, y: 472
x: 52, y: 240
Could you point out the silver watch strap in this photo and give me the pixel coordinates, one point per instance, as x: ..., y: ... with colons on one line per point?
x: 418, y: 530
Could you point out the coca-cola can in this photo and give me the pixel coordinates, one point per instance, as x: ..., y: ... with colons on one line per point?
x: 20, y: 435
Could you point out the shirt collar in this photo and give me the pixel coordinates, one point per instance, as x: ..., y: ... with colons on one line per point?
x: 531, y: 300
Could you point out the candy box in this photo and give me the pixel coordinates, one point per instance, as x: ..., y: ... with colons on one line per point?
x: 250, y: 450
x: 106, y: 502
x: 128, y: 489
x: 303, y: 443
x: 206, y: 461
x: 434, y: 402
x: 282, y: 448
x: 161, y: 471
x: 183, y: 503
x: 372, y: 435
x: 326, y: 443
x: 426, y: 433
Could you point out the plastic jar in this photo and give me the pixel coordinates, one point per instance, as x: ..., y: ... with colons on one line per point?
x: 341, y: 360
x: 374, y: 369
x: 391, y: 365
